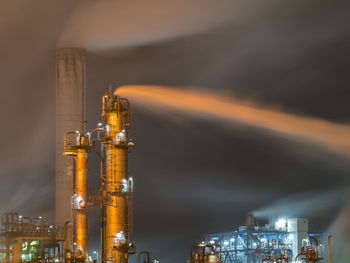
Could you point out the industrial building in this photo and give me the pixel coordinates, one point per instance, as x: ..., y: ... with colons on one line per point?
x: 24, y: 239
x: 110, y: 141
x: 281, y: 240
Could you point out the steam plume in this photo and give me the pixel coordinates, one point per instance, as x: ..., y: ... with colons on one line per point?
x: 334, y: 136
x: 104, y: 24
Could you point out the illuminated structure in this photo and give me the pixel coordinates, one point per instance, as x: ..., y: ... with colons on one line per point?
x: 117, y: 185
x: 79, y: 150
x: 115, y: 196
x: 280, y: 240
x: 25, y: 239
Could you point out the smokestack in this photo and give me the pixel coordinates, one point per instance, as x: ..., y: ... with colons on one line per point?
x: 70, y: 96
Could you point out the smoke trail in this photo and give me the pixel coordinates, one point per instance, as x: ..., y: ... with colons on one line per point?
x: 104, y: 24
x: 334, y: 136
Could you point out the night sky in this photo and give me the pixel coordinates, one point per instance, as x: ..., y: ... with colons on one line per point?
x: 193, y: 174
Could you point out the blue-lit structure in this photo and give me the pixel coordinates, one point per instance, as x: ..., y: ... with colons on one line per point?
x: 280, y: 240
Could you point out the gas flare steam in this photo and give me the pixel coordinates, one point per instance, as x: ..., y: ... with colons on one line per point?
x: 333, y: 136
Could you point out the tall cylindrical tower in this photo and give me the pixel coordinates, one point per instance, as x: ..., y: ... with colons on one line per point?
x: 118, y: 186
x: 77, y: 144
x: 70, y: 93
x: 80, y: 192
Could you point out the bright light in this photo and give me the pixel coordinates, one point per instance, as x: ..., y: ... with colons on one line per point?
x: 263, y: 240
x: 232, y: 240
x: 226, y: 243
x: 77, y: 202
x: 99, y: 124
x: 57, y: 260
x: 212, y: 242
x: 119, y: 238
x: 290, y: 237
x: 280, y: 224
x: 95, y: 252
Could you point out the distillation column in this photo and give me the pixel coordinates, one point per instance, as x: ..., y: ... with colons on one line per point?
x: 70, y: 92
x: 118, y: 187
x: 78, y: 148
x: 80, y: 192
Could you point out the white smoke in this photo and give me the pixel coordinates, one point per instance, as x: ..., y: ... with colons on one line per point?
x: 106, y: 24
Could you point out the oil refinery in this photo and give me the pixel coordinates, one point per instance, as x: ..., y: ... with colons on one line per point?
x: 25, y: 239
x: 186, y: 131
x: 281, y: 240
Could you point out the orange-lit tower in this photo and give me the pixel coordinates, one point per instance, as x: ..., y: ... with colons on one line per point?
x: 77, y: 144
x: 117, y: 186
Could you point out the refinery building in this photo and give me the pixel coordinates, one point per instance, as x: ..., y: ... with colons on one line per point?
x: 25, y: 239
x: 281, y: 240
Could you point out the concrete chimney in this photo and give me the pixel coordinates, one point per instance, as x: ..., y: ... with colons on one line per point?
x: 70, y: 96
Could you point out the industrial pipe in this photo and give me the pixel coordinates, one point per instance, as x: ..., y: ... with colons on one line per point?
x: 329, y: 248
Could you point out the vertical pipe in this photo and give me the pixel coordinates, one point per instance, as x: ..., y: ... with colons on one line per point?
x: 103, y: 216
x: 80, y: 220
x: 70, y: 92
x: 329, y: 248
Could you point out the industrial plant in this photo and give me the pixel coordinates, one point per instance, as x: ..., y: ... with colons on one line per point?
x: 281, y: 240
x: 25, y: 239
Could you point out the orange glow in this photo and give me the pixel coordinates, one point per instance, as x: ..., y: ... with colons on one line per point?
x: 334, y: 136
